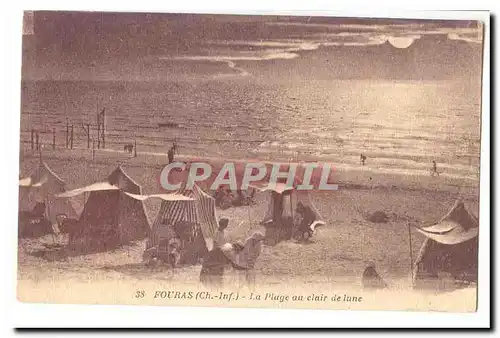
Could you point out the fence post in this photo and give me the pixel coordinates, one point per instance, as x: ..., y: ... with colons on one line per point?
x: 37, y: 140
x: 88, y: 135
x: 53, y: 138
x: 135, y: 148
x: 103, y: 127
x: 71, y: 138
x: 98, y: 134
x: 32, y: 139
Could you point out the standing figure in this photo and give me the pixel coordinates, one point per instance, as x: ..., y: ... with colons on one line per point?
x: 220, y: 238
x: 171, y: 153
x: 434, y: 170
x: 243, y: 257
x: 363, y: 159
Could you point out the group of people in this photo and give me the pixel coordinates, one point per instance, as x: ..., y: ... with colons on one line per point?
x: 238, y: 255
x: 225, y: 198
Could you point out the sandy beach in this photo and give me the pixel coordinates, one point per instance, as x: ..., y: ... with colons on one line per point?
x: 335, y: 258
x: 393, y: 107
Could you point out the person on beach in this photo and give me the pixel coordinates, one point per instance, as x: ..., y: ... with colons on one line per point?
x: 171, y: 153
x: 241, y: 256
x: 307, y: 217
x: 371, y: 279
x: 363, y: 159
x: 220, y: 238
x: 434, y: 170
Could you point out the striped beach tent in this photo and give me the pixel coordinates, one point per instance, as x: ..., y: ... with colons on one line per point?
x: 192, y: 222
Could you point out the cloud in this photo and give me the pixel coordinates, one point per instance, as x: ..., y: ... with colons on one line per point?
x: 289, y: 50
x: 399, y: 36
x: 476, y: 38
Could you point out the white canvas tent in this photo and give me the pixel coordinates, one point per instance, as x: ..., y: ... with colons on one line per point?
x: 450, y: 246
x: 287, y: 197
x: 280, y: 218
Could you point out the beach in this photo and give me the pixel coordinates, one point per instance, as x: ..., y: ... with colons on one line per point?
x: 335, y: 258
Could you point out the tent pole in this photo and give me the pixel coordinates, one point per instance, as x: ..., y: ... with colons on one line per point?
x: 411, y: 252
x: 48, y: 218
x: 249, y: 218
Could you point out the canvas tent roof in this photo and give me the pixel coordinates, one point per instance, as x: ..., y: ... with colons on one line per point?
x: 163, y: 197
x: 99, y: 186
x: 42, y: 175
x: 278, y: 187
x: 42, y: 186
x: 110, y: 217
x: 457, y: 226
x: 450, y: 246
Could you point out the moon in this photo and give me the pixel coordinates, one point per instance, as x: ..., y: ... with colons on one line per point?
x: 401, y: 42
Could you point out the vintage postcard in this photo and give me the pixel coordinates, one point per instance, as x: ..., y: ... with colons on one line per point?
x: 250, y: 161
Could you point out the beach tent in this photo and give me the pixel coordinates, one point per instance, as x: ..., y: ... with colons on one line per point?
x: 450, y: 246
x: 279, y: 219
x: 112, y: 215
x: 39, y: 208
x: 191, y: 220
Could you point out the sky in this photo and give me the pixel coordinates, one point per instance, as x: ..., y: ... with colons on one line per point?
x: 142, y: 47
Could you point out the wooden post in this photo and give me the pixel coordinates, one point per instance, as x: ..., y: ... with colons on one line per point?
x: 67, y: 133
x: 249, y: 216
x: 37, y: 140
x: 53, y: 138
x: 88, y: 135
x: 135, y: 148
x: 32, y: 138
x: 93, y: 149
x: 411, y: 252
x: 98, y: 132
x: 71, y: 138
x: 103, y: 131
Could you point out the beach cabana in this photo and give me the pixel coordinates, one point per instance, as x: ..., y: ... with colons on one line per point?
x: 190, y: 220
x: 450, y: 246
x: 280, y: 219
x: 39, y: 209
x: 113, y: 215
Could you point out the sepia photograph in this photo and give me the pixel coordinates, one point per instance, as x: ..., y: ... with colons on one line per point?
x: 250, y: 161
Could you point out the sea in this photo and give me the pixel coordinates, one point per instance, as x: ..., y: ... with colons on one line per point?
x: 400, y: 126
x: 403, y: 101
